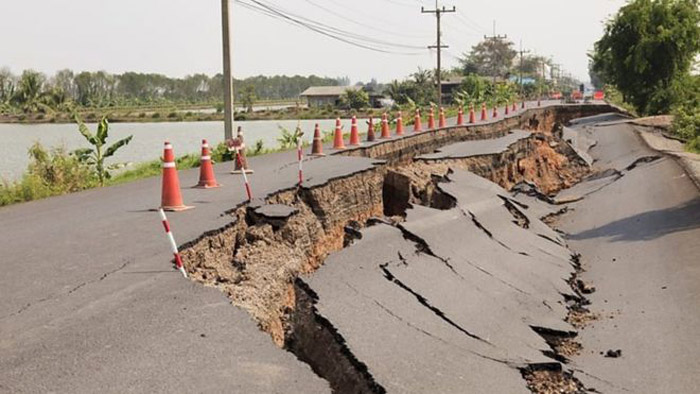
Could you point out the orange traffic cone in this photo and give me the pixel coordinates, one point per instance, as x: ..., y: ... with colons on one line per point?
x: 472, y: 115
x: 370, y: 130
x: 386, y: 133
x: 171, y: 198
x: 483, y: 111
x: 417, y: 126
x: 431, y: 119
x: 354, y: 134
x: 399, y: 123
x: 242, y: 163
x: 338, y: 140
x: 206, y: 169
x: 495, y: 112
x: 507, y: 110
x: 442, y: 122
x: 460, y: 116
x: 317, y: 145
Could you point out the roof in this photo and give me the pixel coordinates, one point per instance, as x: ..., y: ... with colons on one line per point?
x: 456, y: 80
x: 328, y: 90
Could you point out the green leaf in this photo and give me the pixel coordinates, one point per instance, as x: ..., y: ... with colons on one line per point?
x: 113, y: 149
x: 83, y: 154
x: 103, y: 130
x: 85, y: 131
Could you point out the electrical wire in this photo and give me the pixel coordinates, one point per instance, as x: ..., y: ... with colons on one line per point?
x: 345, y: 17
x: 357, y: 40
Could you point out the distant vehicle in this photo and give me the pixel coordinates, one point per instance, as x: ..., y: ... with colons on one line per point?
x: 555, y: 95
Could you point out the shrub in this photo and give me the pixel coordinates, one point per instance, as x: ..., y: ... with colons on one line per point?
x: 50, y: 173
x: 156, y: 115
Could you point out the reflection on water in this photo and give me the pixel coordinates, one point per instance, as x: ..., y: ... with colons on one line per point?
x: 148, y: 138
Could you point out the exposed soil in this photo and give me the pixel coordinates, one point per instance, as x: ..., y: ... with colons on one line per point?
x: 257, y: 261
x: 547, y: 381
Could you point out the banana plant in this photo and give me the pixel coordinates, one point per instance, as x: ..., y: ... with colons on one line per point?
x: 95, y: 156
x: 288, y: 139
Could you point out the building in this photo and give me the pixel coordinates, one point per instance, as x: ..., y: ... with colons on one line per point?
x: 320, y: 96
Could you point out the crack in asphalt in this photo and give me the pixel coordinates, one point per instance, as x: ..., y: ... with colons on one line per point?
x: 71, y: 291
x: 423, y: 247
x: 423, y: 301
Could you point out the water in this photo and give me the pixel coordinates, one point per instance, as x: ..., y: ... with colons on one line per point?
x: 147, y: 143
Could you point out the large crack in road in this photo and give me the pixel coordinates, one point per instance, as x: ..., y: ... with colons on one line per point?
x: 518, y: 272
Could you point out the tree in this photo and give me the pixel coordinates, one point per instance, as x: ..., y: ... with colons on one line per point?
x: 248, y: 98
x: 475, y: 89
x: 355, y: 99
x: 28, y: 92
x: 95, y: 157
x: 7, y: 85
x: 646, y: 48
x: 492, y: 57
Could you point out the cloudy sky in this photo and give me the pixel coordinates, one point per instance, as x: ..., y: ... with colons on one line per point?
x: 180, y: 37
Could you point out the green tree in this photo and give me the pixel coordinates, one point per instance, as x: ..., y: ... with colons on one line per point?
x: 355, y: 99
x: 419, y: 89
x: 248, y: 98
x: 95, y: 156
x: 646, y: 49
x: 475, y: 89
x: 28, y: 92
x: 492, y: 57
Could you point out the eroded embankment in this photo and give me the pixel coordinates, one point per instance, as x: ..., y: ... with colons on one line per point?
x: 257, y: 259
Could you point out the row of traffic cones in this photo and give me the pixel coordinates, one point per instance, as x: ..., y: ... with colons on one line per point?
x: 171, y: 197
x: 339, y: 143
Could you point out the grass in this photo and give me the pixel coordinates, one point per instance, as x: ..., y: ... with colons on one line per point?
x: 693, y: 145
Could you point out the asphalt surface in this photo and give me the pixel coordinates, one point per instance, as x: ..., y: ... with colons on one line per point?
x: 449, y: 307
x: 90, y: 301
x: 638, y: 233
x: 477, y: 148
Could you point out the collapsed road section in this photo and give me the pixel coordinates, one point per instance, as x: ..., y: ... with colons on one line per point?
x: 444, y: 281
x: 124, y: 322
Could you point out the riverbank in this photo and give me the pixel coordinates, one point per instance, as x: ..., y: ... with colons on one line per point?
x: 209, y: 114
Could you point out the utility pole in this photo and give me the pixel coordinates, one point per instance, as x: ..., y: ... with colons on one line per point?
x: 521, y: 66
x: 495, y: 37
x: 228, y: 81
x: 438, y: 13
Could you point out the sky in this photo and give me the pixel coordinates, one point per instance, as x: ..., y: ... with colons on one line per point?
x: 181, y: 37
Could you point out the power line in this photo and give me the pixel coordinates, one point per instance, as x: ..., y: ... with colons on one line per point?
x: 344, y: 17
x: 383, y: 21
x: 326, y: 30
x: 470, y: 23
x: 332, y: 29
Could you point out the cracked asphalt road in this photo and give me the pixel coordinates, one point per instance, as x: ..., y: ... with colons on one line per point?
x: 91, y: 304
x: 638, y: 235
x: 447, y: 300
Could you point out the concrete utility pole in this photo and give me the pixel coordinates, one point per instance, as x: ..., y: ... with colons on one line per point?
x: 228, y: 81
x: 495, y: 37
x: 521, y: 66
x: 438, y: 13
